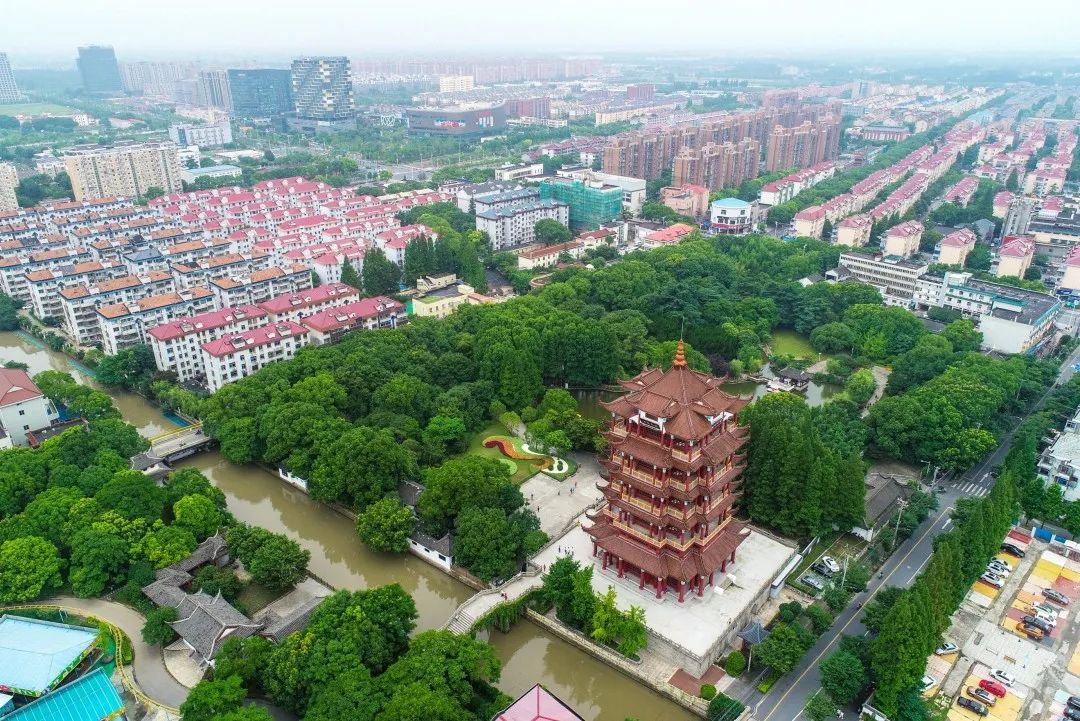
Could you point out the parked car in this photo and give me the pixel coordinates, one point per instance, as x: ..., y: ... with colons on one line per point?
x: 830, y: 563
x: 999, y: 570
x: 927, y: 682
x: 973, y: 705
x: 991, y: 579
x: 982, y: 695
x: 1045, y: 608
x: 1072, y: 713
x: 1074, y: 702
x: 1058, y: 598
x: 822, y: 569
x: 995, y: 561
x: 1031, y: 631
x: 1004, y: 676
x: 1038, y: 623
x: 1012, y: 550
x: 946, y: 648
x: 994, y: 687
x: 812, y: 582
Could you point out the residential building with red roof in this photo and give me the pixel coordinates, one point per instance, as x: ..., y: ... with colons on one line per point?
x: 1002, y: 202
x: 663, y: 237
x: 328, y: 326
x: 955, y: 247
x: 691, y: 200
x: 809, y: 222
x: 237, y: 355
x: 393, y: 241
x: 79, y: 303
x: 903, y: 240
x: 45, y: 285
x: 1070, y: 279
x: 854, y: 230
x: 1015, y: 255
x: 126, y: 324
x: 177, y: 345
x: 961, y: 192
x: 295, y: 306
x: 544, y: 256
x: 261, y: 285
x: 23, y: 408
x: 1051, y: 207
x: 1042, y: 181
x: 13, y: 268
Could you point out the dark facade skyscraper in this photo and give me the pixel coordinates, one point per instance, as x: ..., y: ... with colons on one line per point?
x: 323, y: 93
x: 9, y: 92
x: 260, y: 93
x: 99, y: 70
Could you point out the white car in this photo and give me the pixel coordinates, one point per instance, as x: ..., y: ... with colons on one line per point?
x: 1004, y: 676
x: 946, y: 648
x: 995, y: 561
x: 1046, y: 609
x: 927, y: 682
x: 1001, y: 570
x: 991, y: 580
x: 830, y: 563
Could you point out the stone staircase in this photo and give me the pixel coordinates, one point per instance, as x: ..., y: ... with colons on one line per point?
x: 461, y: 622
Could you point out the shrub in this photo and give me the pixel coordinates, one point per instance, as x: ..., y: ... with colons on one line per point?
x: 723, y: 708
x: 790, y: 611
x: 769, y: 681
x: 735, y: 664
x: 820, y: 619
x: 836, y: 598
x: 708, y: 691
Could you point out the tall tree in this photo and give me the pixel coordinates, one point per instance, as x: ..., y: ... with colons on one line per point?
x: 381, y: 277
x: 350, y: 277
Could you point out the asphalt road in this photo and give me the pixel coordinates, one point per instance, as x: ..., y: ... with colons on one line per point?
x: 788, y: 698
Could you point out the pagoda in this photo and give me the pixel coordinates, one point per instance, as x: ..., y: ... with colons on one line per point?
x: 673, y: 477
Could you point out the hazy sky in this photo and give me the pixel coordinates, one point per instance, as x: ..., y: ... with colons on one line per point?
x: 33, y: 31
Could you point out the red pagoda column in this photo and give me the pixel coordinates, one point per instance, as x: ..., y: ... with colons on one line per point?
x: 682, y: 591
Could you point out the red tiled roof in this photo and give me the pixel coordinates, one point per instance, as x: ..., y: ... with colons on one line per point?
x: 238, y: 342
x: 16, y: 386
x: 308, y: 298
x: 205, y: 321
x: 346, y: 315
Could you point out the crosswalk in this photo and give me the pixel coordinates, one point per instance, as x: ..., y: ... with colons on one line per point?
x: 973, y: 489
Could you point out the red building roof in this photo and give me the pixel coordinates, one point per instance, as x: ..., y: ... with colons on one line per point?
x: 347, y: 315
x: 16, y: 386
x: 537, y: 704
x: 238, y: 342
x: 205, y: 321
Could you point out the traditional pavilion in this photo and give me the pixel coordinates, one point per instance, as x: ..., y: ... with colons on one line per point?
x: 673, y: 478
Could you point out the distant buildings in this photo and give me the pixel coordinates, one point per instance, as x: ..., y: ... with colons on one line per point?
x: 804, y: 145
x: 691, y: 200
x: 322, y: 92
x: 521, y: 170
x: 894, y: 277
x: 903, y: 239
x: 214, y: 89
x: 956, y: 246
x: 1015, y: 256
x: 458, y: 122
x: 191, y: 175
x: 214, y: 135
x: 456, y: 83
x: 633, y: 189
x: 23, y: 408
x: 9, y: 180
x: 592, y: 202
x: 512, y: 225
x: 260, y: 93
x: 99, y: 70
x: 126, y: 168
x: 9, y: 91
x: 717, y: 166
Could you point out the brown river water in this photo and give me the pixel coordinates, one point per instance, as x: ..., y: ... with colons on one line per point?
x: 529, y: 654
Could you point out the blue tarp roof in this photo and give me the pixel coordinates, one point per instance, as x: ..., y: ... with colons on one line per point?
x: 35, y: 654
x: 91, y: 698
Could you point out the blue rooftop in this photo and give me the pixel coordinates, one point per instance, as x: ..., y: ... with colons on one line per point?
x: 730, y: 203
x: 36, y: 655
x: 90, y: 698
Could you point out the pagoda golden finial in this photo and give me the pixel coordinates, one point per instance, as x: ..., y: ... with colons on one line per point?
x: 680, y: 356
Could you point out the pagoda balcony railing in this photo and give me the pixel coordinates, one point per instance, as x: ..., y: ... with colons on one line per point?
x: 665, y: 542
x: 689, y: 513
x: 721, y: 474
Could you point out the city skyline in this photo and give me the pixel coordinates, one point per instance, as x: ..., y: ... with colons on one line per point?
x: 269, y: 32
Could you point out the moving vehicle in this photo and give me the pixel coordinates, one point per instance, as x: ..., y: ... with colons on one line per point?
x: 1058, y: 598
x: 946, y: 648
x: 1004, y: 676
x: 812, y: 582
x: 992, y: 580
x: 982, y: 695
x: 1012, y: 550
x: 993, y: 687
x: 1031, y: 631
x: 973, y: 705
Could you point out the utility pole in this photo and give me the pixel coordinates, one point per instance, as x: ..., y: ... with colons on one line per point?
x: 843, y: 577
x: 899, y: 515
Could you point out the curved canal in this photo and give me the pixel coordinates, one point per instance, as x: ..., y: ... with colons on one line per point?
x: 529, y: 654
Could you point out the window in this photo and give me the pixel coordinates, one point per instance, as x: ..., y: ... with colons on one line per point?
x: 22, y: 412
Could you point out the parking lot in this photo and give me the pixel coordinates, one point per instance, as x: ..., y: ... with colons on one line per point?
x: 1047, y: 671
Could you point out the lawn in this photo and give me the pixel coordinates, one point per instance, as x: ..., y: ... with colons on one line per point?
x: 788, y: 342
x: 521, y: 471
x: 35, y: 109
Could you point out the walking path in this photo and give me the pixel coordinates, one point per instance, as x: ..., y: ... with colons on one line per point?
x: 149, y: 672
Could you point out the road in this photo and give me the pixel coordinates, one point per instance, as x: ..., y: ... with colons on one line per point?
x: 789, y: 697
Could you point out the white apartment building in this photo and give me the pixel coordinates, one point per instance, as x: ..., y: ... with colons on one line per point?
x: 79, y: 303
x: 14, y: 268
x: 126, y: 324
x: 456, y: 83
x: 23, y: 408
x: 328, y: 326
x: 894, y: 277
x: 177, y: 345
x: 214, y: 135
x: 519, y: 171
x: 633, y: 189
x: 295, y: 306
x: 238, y: 355
x: 494, y: 201
x: 513, y: 225
x: 261, y: 285
x: 1060, y: 461
x: 126, y: 168
x: 854, y: 230
x: 45, y: 285
x: 9, y: 180
x: 200, y: 272
x: 1012, y: 320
